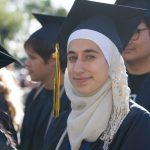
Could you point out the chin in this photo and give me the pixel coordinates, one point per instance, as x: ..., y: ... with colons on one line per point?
x: 85, y: 92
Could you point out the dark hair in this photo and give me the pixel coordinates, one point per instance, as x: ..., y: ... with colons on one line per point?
x: 41, y: 46
x: 44, y: 48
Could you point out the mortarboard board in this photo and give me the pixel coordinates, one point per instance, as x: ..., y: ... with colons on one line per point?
x: 134, y: 3
x: 121, y: 15
x: 138, y: 4
x: 46, y: 19
x: 50, y: 26
x: 6, y: 58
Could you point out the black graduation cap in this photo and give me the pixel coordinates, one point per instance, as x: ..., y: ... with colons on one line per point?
x: 46, y: 19
x: 6, y: 58
x: 138, y: 4
x: 121, y: 15
x: 50, y: 27
x: 134, y: 3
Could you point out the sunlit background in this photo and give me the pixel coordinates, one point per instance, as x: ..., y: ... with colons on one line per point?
x: 68, y: 3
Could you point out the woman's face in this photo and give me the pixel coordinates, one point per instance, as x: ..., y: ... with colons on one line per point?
x: 87, y: 67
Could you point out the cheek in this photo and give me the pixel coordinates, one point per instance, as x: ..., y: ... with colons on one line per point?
x: 102, y: 71
x: 70, y: 69
x: 70, y: 66
x: 101, y: 65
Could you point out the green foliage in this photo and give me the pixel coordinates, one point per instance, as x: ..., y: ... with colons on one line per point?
x: 10, y: 21
x: 43, y: 6
x: 15, y: 20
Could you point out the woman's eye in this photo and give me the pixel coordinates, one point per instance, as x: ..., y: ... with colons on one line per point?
x: 90, y: 57
x: 72, y: 58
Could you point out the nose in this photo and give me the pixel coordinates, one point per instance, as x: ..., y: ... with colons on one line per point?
x: 134, y: 37
x: 79, y: 66
x: 27, y: 63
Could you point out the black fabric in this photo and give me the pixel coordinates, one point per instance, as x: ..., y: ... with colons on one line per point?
x: 145, y: 4
x: 5, y: 118
x: 141, y: 89
x: 6, y: 58
x: 6, y: 136
x: 55, y: 131
x: 49, y: 29
x: 36, y: 119
x: 31, y: 123
x: 133, y: 134
x: 135, y: 82
x: 134, y: 3
x: 46, y: 19
x: 4, y: 142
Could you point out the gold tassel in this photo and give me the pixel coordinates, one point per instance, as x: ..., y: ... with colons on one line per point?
x: 56, y: 96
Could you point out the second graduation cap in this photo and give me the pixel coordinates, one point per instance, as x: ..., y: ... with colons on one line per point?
x: 6, y: 58
x: 138, y: 4
x: 46, y: 19
x: 43, y: 40
x: 121, y: 16
x: 50, y: 26
x: 134, y: 3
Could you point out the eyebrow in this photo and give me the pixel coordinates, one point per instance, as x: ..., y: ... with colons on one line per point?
x: 85, y: 51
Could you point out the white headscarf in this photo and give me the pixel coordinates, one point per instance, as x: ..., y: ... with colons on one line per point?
x: 99, y: 115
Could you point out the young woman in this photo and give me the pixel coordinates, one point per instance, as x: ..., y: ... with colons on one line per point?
x: 101, y: 117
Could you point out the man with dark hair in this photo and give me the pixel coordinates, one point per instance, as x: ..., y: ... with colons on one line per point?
x: 137, y: 56
x: 41, y: 63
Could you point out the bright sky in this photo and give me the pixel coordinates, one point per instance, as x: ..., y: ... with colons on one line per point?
x: 68, y: 3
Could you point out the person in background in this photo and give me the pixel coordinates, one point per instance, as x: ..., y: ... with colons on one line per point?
x: 8, y: 137
x: 137, y: 56
x: 102, y: 117
x: 40, y: 47
x: 6, y: 140
x: 11, y: 100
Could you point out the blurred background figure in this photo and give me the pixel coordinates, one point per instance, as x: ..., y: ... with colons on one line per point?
x: 11, y: 99
x: 12, y: 94
x: 6, y: 140
x: 8, y: 122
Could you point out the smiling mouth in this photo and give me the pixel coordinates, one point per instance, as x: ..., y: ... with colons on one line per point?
x: 80, y: 81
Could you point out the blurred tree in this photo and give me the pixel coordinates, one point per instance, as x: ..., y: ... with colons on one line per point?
x: 16, y: 21
x: 10, y: 21
x: 43, y: 6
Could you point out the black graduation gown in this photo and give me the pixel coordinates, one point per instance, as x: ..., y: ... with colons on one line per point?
x: 133, y: 134
x: 4, y: 110
x: 6, y: 140
x: 4, y: 144
x: 140, y: 86
x: 36, y: 119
